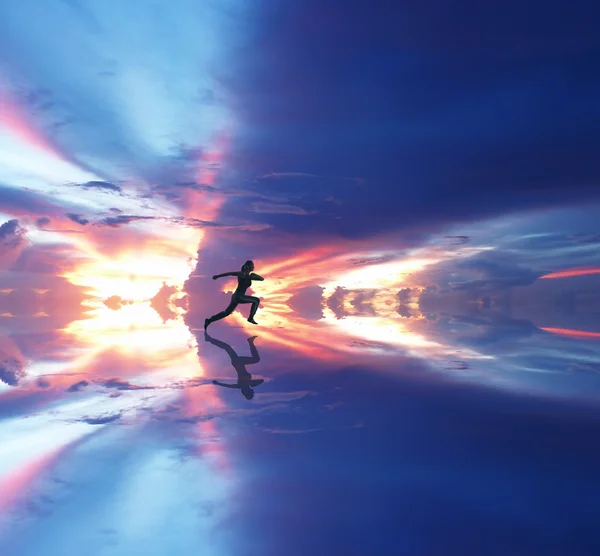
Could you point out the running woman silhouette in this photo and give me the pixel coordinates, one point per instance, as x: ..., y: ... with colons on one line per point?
x: 245, y: 382
x: 245, y: 278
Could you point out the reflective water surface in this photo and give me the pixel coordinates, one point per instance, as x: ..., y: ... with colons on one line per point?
x: 435, y: 416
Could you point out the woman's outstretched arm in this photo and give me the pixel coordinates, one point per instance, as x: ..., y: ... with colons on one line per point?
x: 256, y: 277
x: 226, y: 274
x: 236, y: 385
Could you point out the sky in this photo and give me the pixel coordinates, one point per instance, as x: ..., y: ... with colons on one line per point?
x: 419, y: 185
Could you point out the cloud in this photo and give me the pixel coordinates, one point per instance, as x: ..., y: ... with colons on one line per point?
x: 571, y: 272
x: 366, y: 344
x: 103, y: 185
x: 42, y: 382
x: 119, y: 384
x: 362, y: 261
x: 494, y: 275
x: 11, y: 240
x: 36, y: 286
x: 52, y: 259
x: 280, y: 175
x: 11, y: 234
x: 42, y: 222
x: 335, y: 302
x: 190, y: 383
x: 115, y: 302
x: 305, y: 431
x: 78, y: 386
x: 492, y: 328
x: 491, y: 284
x: 103, y: 420
x: 584, y: 367
x: 182, y: 302
x: 162, y: 302
x: 405, y: 295
x: 77, y: 218
x: 458, y: 240
x: 195, y: 419
x: 308, y: 302
x: 292, y: 175
x: 271, y: 208
x: 122, y: 220
x: 585, y: 238
x: 196, y: 223
x: 24, y: 203
x: 11, y: 370
x: 487, y: 271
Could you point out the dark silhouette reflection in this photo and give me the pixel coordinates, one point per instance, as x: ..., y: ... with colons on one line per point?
x: 245, y: 381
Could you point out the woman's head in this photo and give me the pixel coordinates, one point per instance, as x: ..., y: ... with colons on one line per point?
x: 247, y: 392
x: 248, y: 266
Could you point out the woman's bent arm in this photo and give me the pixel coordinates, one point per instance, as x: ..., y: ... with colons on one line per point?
x: 226, y: 274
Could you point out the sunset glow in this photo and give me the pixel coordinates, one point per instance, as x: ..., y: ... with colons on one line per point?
x: 333, y: 338
x: 135, y: 276
x: 574, y: 333
x: 572, y: 272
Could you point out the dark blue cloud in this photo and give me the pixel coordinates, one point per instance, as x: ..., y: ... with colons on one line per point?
x: 121, y: 220
x: 444, y: 113
x: 11, y: 370
x: 78, y: 386
x: 11, y: 236
x: 77, y: 218
x: 107, y: 186
x: 119, y: 384
x: 104, y: 420
x: 42, y: 222
x: 21, y: 201
x: 493, y: 273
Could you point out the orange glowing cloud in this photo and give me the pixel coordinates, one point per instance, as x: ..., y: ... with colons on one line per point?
x: 572, y: 272
x: 574, y: 333
x: 334, y: 265
x: 212, y: 158
x: 308, y: 265
x: 206, y: 205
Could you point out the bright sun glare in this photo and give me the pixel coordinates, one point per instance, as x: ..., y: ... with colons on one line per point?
x: 132, y: 276
x: 135, y: 275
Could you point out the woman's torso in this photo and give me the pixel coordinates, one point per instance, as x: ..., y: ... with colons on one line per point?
x: 244, y: 283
